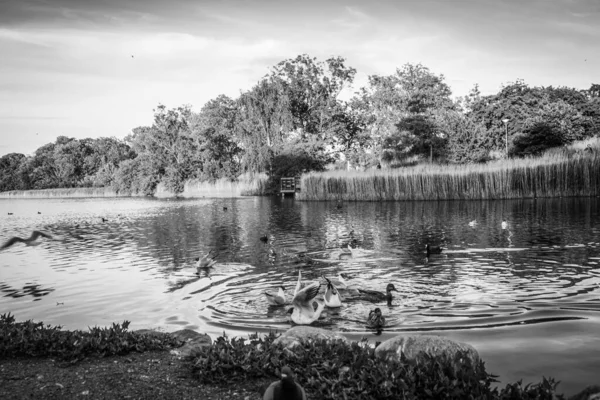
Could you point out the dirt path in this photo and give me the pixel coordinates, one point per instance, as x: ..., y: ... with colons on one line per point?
x: 151, y: 375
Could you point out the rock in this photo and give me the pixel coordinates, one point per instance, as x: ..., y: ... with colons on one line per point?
x: 589, y: 393
x: 294, y: 336
x: 193, y: 340
x: 412, y: 348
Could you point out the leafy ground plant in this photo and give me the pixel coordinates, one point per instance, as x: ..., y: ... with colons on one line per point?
x: 34, y: 339
x: 335, y: 370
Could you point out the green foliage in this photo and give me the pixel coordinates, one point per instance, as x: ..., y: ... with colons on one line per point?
x: 36, y: 340
x: 536, y: 139
x: 335, y: 370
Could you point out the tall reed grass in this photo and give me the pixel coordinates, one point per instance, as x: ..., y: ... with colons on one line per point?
x: 555, y: 174
x: 245, y: 185
x: 65, y: 192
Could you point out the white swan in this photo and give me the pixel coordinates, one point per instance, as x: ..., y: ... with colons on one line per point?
x: 332, y: 295
x: 276, y: 299
x: 303, y: 312
x: 298, y: 284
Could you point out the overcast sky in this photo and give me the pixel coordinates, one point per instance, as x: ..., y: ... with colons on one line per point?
x: 66, y: 66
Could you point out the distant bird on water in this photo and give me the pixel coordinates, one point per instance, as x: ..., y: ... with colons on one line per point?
x: 10, y: 213
x: 39, y: 212
x: 504, y: 224
x: 205, y: 262
x: 28, y: 241
x: 286, y: 388
x: 432, y: 249
x: 264, y: 239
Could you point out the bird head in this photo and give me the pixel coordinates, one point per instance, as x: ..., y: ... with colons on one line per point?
x: 282, y: 287
x: 390, y: 287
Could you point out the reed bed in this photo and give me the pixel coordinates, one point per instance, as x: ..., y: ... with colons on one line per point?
x: 64, y: 192
x: 245, y: 185
x: 552, y: 175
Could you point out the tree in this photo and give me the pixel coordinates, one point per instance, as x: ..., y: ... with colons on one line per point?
x: 9, y: 172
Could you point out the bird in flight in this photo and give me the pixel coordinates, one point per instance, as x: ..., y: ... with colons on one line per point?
x: 28, y: 241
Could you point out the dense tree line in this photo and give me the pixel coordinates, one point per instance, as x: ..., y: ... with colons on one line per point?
x: 293, y: 121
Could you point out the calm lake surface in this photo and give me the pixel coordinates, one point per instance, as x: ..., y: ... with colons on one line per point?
x: 527, y: 297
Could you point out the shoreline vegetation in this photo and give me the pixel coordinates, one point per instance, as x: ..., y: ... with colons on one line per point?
x: 237, y: 368
x: 569, y: 171
x: 559, y: 173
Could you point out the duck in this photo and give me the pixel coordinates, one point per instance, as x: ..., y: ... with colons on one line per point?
x: 432, y: 249
x: 28, y: 241
x: 264, y: 239
x: 303, y: 312
x: 332, y: 295
x: 286, y: 388
x: 376, y: 297
x: 276, y: 299
x: 473, y: 223
x: 375, y: 320
x: 504, y: 224
x: 205, y: 262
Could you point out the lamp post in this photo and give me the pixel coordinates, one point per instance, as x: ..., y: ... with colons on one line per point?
x: 505, y: 120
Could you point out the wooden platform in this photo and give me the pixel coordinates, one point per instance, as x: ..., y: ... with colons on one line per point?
x: 289, y: 185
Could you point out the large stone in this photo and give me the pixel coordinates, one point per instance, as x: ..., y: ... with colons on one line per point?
x: 414, y: 348
x: 589, y: 393
x: 301, y: 334
x: 193, y: 342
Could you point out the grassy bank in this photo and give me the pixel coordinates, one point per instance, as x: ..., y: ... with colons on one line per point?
x: 564, y: 173
x: 327, y: 370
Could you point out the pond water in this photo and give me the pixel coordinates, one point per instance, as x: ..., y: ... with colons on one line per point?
x: 526, y: 295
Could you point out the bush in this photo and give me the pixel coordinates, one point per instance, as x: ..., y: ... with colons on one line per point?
x: 535, y: 140
x: 34, y: 339
x: 335, y: 370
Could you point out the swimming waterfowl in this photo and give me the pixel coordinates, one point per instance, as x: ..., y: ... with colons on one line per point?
x: 303, y: 312
x: 432, y: 249
x: 473, y: 223
x: 207, y: 261
x: 28, y: 241
x: 276, y: 299
x: 504, y: 224
x: 332, y: 295
x: 375, y: 320
x: 375, y: 296
x: 286, y: 388
x: 264, y: 239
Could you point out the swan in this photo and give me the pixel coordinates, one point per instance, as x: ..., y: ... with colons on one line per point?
x: 375, y: 296
x: 303, y: 312
x: 276, y: 299
x: 299, y: 283
x: 375, y: 320
x: 28, y: 241
x: 332, y: 295
x: 286, y: 388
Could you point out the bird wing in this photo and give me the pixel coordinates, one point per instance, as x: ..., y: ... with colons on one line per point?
x: 37, y: 234
x: 308, y: 293
x: 371, y: 292
x: 10, y: 242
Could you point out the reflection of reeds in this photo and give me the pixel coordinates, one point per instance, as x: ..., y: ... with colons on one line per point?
x: 245, y: 185
x: 552, y: 175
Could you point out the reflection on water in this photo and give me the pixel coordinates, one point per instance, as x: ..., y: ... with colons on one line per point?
x: 113, y: 259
